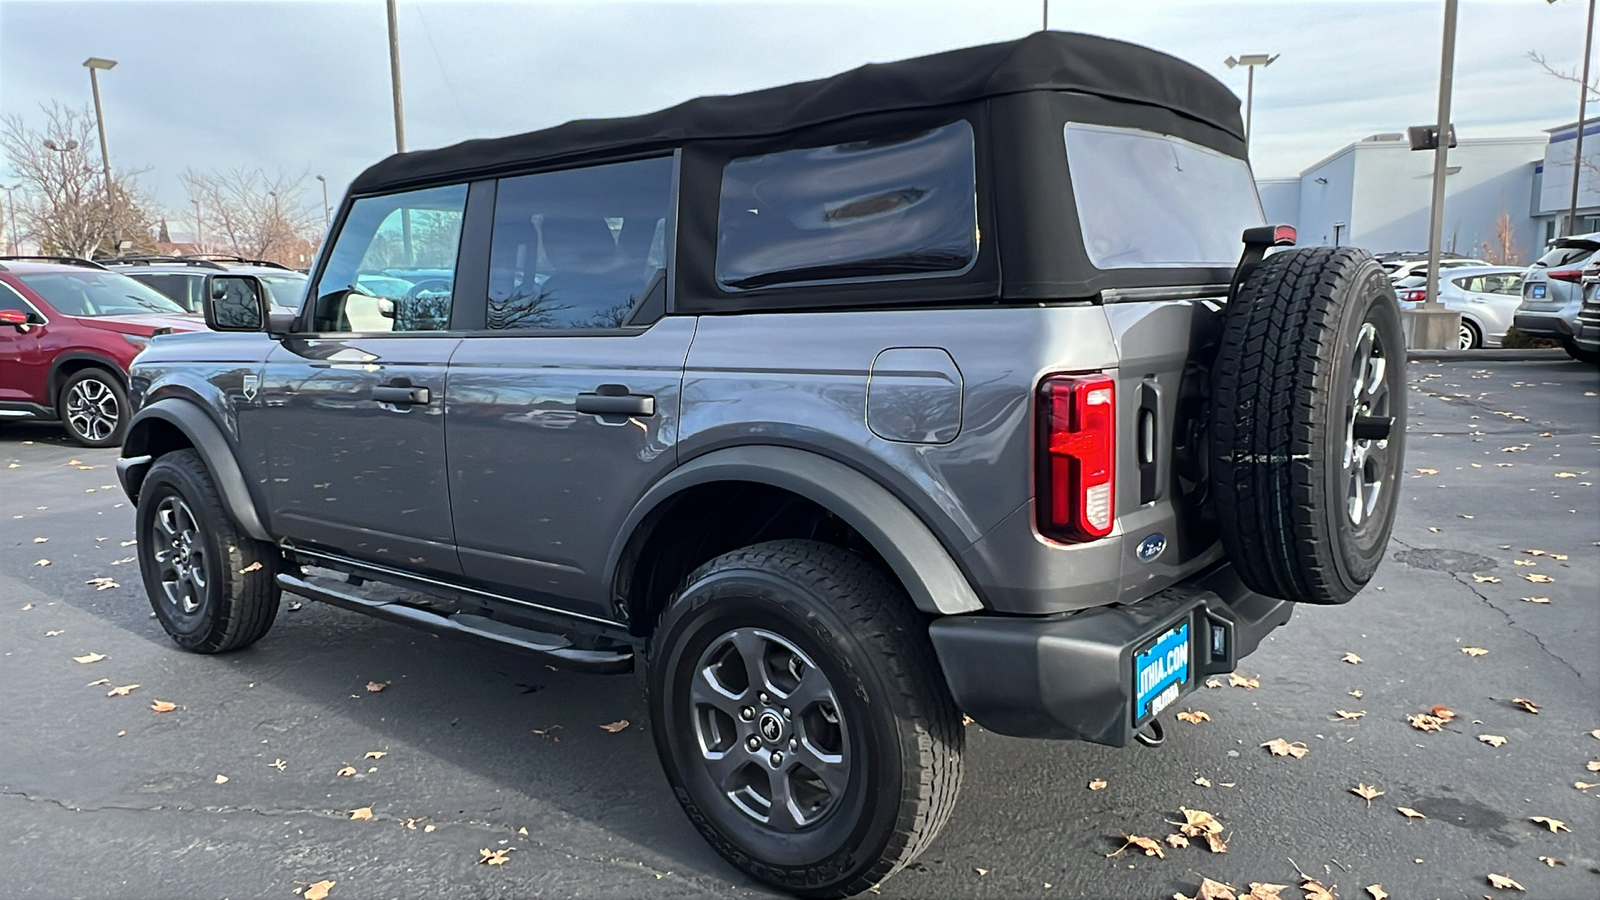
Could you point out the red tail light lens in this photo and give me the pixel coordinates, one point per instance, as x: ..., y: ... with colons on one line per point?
x: 1075, y: 491
x: 1572, y: 275
x: 1414, y: 295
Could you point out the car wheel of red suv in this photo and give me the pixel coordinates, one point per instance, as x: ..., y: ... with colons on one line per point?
x: 94, y: 407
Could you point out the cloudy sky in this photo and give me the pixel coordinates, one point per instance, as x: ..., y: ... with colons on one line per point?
x: 303, y: 87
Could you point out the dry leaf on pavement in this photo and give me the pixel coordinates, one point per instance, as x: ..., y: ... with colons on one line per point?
x: 1504, y: 883
x: 42, y: 562
x: 1425, y: 722
x: 1595, y: 734
x: 1345, y: 714
x: 376, y: 686
x: 1594, y: 765
x: 1099, y: 784
x: 494, y: 857
x: 1525, y: 704
x: 89, y: 658
x: 1377, y: 892
x: 616, y: 726
x: 1555, y: 825
x: 1486, y: 579
x: 1585, y: 785
x: 1203, y: 781
x: 1551, y: 861
x: 1428, y: 471
x: 345, y: 772
x: 1410, y: 813
x: 361, y: 814
x: 1264, y: 891
x: 1315, y: 891
x: 1493, y: 740
x: 222, y: 779
x: 97, y: 682
x: 1351, y: 658
x: 375, y: 754
x: 1239, y: 681
x: 1536, y: 599
x: 1366, y: 792
x: 1150, y: 846
x: 1474, y: 651
x: 1195, y: 717
x: 1281, y: 747
x: 1177, y: 841
x: 162, y: 706
x: 319, y: 891
x: 40, y: 540
x: 1214, y: 890
x: 1537, y: 578
x: 122, y: 691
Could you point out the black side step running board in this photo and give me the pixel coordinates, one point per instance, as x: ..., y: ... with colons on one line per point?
x: 550, y: 648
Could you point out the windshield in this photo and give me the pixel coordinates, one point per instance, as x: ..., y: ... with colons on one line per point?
x: 92, y: 293
x: 287, y: 290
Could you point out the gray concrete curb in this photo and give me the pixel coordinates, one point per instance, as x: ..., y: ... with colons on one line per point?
x: 1542, y: 354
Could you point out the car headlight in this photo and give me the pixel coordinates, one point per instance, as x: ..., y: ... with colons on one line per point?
x: 138, y: 340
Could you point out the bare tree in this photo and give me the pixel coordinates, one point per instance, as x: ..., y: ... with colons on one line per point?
x: 249, y: 213
x: 1502, y: 249
x: 66, y: 207
x: 1592, y: 90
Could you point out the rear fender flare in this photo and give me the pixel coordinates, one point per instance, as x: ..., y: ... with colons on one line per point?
x: 916, y: 556
x: 214, y: 449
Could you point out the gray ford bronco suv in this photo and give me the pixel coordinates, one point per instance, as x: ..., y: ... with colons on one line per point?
x: 959, y: 385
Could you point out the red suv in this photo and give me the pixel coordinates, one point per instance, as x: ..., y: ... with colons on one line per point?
x: 69, y: 328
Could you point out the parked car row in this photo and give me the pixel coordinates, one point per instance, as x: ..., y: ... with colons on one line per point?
x: 1553, y: 292
x: 1486, y: 296
x: 182, y: 277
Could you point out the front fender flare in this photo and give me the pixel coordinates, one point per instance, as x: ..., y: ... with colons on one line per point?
x: 923, y: 565
x: 215, y: 451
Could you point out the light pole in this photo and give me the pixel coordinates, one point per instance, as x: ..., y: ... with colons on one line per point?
x: 394, y: 81
x: 1250, y: 61
x: 11, y: 207
x: 325, y: 215
x: 1583, y: 106
x: 95, y: 65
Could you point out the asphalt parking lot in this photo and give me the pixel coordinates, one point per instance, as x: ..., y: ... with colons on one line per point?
x: 238, y: 791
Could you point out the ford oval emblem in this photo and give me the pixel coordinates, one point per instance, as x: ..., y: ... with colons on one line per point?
x: 1151, y: 547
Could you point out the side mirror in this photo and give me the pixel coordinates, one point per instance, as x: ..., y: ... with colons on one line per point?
x: 235, y: 303
x: 16, y: 318
x: 386, y: 307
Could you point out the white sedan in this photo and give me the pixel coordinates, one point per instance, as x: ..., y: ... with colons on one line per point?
x: 1486, y: 296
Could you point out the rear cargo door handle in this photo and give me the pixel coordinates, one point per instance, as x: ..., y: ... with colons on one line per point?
x: 402, y: 395
x: 615, y: 400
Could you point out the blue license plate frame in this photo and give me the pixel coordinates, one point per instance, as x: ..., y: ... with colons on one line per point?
x: 1538, y: 291
x: 1163, y: 670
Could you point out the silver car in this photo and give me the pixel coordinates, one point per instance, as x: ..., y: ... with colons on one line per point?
x: 1486, y: 296
x: 1552, y: 293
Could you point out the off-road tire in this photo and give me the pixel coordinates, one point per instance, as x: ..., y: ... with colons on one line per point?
x: 1283, y: 406
x: 109, y: 390
x: 866, y: 637
x: 240, y: 598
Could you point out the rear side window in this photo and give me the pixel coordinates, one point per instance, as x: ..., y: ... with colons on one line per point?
x: 1568, y: 255
x: 176, y: 287
x: 1148, y: 200
x: 892, y: 207
x: 579, y: 248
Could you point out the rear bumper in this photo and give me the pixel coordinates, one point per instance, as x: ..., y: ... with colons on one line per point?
x: 1542, y: 324
x: 1071, y: 676
x: 1587, y: 332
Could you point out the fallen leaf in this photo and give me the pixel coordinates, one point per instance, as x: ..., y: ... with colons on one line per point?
x: 1585, y: 785
x: 1594, y: 765
x: 1481, y: 579
x: 1177, y: 841
x: 1315, y: 891
x: 28, y: 606
x: 1366, y: 792
x: 41, y: 540
x: 1551, y: 861
x: 1493, y: 740
x: 1239, y: 681
x: 1150, y: 846
x: 1504, y: 883
x: 1410, y: 813
x: 1595, y: 734
x: 1433, y: 529
x: 1377, y: 892
x: 253, y: 567
x: 1523, y: 562
x: 319, y: 891
x: 376, y: 686
x: 1526, y: 704
x: 122, y: 691
x: 1355, y: 694
x: 222, y: 779
x: 1474, y: 651
x: 361, y: 814
x: 1537, y: 578
x: 279, y: 764
x: 1203, y: 781
x: 494, y: 857
x: 1555, y: 825
x: 1428, y: 471
x: 1195, y: 717
x: 616, y: 726
x: 1536, y: 599
x: 1351, y: 658
x: 981, y: 872
x: 1099, y: 784
x: 1566, y: 474
x: 41, y: 562
x: 162, y: 706
x: 375, y: 754
x: 428, y: 829
x: 98, y: 682
x: 345, y: 772
x: 1281, y: 747
x: 102, y: 584
x: 130, y: 544
x: 55, y: 633
x: 1213, y: 683
x: 1425, y: 722
x: 1214, y: 890
x: 1264, y: 891
x: 1443, y: 712
x: 1216, y: 843
x: 1346, y: 714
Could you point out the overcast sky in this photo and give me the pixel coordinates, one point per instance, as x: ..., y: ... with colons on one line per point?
x: 303, y: 87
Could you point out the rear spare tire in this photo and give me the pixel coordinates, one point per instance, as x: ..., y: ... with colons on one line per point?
x: 1308, y: 423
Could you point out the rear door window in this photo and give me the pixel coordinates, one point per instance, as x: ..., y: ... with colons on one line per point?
x: 1148, y: 200
x: 884, y: 208
x: 1566, y: 255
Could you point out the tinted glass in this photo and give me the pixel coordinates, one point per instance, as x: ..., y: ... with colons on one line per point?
x: 580, y: 248
x: 286, y: 290
x: 92, y: 293
x: 10, y: 299
x: 1565, y: 256
x: 181, y: 289
x: 409, y: 239
x: 869, y: 209
x: 1148, y: 200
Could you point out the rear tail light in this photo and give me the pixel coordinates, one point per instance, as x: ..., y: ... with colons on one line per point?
x: 1572, y: 275
x: 1075, y: 491
x: 1414, y: 295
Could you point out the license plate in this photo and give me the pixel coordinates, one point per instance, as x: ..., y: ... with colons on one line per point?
x: 1160, y: 673
x: 1538, y: 291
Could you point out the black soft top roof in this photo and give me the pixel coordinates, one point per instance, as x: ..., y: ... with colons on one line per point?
x: 1046, y: 60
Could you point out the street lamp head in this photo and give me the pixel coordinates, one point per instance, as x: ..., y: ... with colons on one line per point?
x: 1254, y: 59
x: 1230, y: 62
x: 322, y: 179
x: 68, y: 147
x: 95, y: 62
